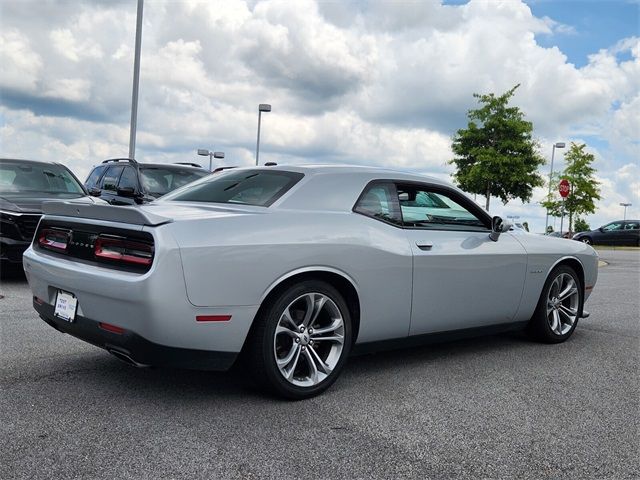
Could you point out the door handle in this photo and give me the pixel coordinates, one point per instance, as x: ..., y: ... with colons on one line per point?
x: 424, y: 245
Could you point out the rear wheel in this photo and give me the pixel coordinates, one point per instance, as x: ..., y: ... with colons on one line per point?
x: 301, y: 342
x: 559, y: 307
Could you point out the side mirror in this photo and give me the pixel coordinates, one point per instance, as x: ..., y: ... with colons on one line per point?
x: 129, y: 192
x: 94, y: 192
x: 600, y: 229
x: 498, y: 226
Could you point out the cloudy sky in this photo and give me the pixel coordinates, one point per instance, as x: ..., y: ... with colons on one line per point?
x: 363, y: 82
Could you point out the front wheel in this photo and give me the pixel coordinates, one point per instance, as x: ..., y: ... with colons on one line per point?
x: 559, y: 307
x: 586, y: 240
x: 301, y: 342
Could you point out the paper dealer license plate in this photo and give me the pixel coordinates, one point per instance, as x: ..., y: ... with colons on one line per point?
x: 66, y: 305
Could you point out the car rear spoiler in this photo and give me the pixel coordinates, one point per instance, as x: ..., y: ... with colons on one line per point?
x: 110, y: 213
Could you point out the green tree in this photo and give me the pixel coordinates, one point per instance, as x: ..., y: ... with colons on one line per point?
x: 581, y: 225
x: 496, y: 154
x: 585, y: 190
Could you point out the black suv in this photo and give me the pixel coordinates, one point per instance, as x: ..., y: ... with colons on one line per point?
x: 123, y: 181
x: 24, y: 186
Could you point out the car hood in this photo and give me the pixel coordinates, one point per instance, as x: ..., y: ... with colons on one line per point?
x: 31, y: 202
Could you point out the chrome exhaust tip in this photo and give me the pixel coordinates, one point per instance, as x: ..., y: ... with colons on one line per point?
x: 124, y: 357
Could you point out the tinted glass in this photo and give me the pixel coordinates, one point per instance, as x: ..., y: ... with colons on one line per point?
x: 129, y: 179
x: 32, y: 177
x: 158, y: 180
x: 433, y: 209
x: 245, y: 187
x: 110, y: 179
x: 94, y: 176
x: 632, y: 226
x: 377, y: 202
x: 612, y: 227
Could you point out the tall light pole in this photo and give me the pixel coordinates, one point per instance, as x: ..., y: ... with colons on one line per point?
x: 263, y: 107
x: 625, y: 205
x: 204, y: 152
x: 136, y: 81
x: 553, y: 151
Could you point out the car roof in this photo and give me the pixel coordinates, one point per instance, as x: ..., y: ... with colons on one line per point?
x: 365, y: 171
x: 32, y: 162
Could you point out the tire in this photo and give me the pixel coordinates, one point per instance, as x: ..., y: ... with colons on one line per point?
x: 296, y: 362
x: 544, y: 324
x: 586, y: 240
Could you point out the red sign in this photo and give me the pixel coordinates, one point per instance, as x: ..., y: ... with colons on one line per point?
x: 564, y: 188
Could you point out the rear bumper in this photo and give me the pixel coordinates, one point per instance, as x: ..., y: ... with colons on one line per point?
x: 134, y: 346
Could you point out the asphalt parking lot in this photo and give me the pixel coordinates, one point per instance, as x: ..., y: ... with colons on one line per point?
x: 495, y: 407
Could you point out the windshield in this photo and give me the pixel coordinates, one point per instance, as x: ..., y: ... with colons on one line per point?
x: 244, y: 187
x: 23, y: 177
x: 160, y: 180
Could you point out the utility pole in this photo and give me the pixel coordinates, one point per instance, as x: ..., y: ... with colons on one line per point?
x: 136, y: 82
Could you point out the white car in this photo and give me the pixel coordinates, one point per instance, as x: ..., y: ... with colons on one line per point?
x: 295, y: 267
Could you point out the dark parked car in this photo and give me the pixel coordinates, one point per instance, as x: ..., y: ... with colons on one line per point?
x: 24, y: 186
x: 123, y: 181
x: 620, y: 232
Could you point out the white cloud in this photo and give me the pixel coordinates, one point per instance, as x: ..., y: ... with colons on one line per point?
x: 378, y: 82
x: 21, y: 65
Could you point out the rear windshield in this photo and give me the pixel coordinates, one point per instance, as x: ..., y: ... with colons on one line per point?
x: 158, y: 180
x: 243, y: 187
x: 17, y: 177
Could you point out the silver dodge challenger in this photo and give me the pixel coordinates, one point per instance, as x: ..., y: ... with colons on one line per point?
x: 293, y: 268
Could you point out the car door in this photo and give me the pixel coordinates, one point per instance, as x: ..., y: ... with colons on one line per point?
x: 611, y: 234
x: 631, y: 233
x: 461, y: 278
x: 109, y: 183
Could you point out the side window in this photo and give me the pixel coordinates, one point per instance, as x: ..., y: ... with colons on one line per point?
x: 632, y: 226
x: 94, y: 176
x: 423, y: 207
x: 110, y: 179
x: 613, y: 227
x: 379, y: 201
x: 129, y: 179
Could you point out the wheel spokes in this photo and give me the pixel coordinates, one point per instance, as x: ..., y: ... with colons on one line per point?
x: 312, y: 328
x: 315, y: 304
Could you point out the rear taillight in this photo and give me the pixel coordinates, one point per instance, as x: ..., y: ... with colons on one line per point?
x: 123, y: 250
x: 55, y: 240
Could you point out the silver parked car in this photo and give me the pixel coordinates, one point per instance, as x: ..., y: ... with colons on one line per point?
x: 295, y: 267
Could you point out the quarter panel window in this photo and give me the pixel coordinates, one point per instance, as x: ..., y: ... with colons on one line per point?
x: 379, y: 201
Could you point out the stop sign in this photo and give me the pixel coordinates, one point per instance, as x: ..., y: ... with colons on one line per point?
x: 564, y: 188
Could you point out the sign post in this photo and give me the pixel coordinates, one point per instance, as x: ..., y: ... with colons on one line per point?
x: 564, y: 188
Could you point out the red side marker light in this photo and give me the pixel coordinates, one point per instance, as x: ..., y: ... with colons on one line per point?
x: 111, y: 328
x: 213, y: 318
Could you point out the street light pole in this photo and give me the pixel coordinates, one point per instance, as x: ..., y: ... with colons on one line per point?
x: 625, y: 205
x: 263, y: 107
x: 553, y: 151
x: 136, y: 82
x: 211, y: 154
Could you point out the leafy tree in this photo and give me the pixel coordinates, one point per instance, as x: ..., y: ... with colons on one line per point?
x: 585, y: 188
x: 581, y: 225
x: 496, y: 154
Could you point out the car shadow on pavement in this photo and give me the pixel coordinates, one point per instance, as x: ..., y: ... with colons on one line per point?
x: 99, y: 370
